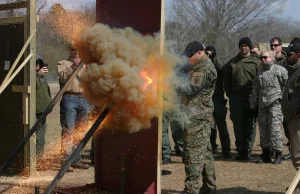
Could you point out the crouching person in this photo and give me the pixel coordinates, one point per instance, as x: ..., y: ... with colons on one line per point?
x: 198, y: 106
x: 266, y: 96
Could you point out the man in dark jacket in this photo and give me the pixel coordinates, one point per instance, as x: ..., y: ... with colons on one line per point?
x: 290, y: 103
x: 43, y: 99
x: 238, y: 77
x: 220, y: 109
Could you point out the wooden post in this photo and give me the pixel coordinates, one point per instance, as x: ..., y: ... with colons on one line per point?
x: 294, y: 183
x: 29, y: 99
x: 160, y: 97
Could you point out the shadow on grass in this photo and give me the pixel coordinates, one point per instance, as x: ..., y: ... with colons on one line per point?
x: 234, y: 190
x: 219, y: 157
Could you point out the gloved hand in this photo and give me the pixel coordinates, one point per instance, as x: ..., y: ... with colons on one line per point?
x: 253, y: 112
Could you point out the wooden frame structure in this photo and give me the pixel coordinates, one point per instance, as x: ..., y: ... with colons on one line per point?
x: 29, y: 87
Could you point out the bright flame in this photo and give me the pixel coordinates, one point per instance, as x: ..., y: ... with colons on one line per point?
x: 148, y: 80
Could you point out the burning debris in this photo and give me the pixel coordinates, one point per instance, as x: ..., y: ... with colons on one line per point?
x: 123, y: 69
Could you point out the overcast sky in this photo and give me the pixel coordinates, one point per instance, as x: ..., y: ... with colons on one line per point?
x: 292, y: 9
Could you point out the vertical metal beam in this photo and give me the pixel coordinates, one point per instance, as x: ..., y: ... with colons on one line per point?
x: 29, y: 99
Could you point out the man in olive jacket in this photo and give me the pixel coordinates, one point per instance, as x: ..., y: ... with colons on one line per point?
x: 290, y: 103
x: 238, y: 77
x: 43, y: 99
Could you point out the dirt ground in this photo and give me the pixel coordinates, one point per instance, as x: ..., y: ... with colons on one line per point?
x: 232, y: 177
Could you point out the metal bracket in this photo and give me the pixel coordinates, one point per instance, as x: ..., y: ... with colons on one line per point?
x: 21, y: 89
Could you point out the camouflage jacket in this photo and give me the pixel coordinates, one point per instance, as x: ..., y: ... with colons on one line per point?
x: 238, y: 75
x: 197, y: 92
x: 281, y: 60
x: 268, y: 86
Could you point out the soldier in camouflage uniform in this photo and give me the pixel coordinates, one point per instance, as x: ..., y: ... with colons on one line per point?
x: 280, y: 59
x: 198, y: 107
x: 238, y: 76
x: 266, y: 94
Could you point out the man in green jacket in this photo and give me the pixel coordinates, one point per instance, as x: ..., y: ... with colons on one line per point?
x: 290, y: 103
x: 43, y: 99
x: 238, y: 76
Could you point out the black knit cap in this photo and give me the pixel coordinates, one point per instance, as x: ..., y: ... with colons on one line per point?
x: 245, y: 41
x: 296, y: 39
x: 213, y: 51
x: 192, y: 48
x: 294, y: 47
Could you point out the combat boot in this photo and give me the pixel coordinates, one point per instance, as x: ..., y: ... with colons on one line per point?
x: 287, y: 156
x: 265, y: 157
x: 242, y: 156
x: 278, y: 158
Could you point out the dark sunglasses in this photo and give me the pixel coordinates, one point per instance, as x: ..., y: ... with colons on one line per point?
x: 263, y: 57
x: 289, y: 54
x: 274, y: 45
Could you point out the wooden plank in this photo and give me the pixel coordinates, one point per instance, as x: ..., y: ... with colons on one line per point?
x: 294, y: 183
x: 160, y: 97
x: 21, y: 89
x: 12, y: 20
x: 16, y: 5
x: 30, y: 99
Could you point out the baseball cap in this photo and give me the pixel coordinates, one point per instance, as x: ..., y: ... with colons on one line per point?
x: 192, y: 48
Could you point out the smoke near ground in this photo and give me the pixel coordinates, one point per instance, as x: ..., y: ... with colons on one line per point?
x: 123, y: 72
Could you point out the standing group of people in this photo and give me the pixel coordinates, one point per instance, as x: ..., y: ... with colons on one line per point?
x: 262, y: 86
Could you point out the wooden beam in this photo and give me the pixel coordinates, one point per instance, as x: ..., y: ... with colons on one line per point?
x: 12, y: 20
x: 21, y: 89
x: 16, y: 5
x: 160, y: 97
x: 30, y: 98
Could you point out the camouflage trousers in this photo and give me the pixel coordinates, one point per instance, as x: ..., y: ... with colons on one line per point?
x: 269, y: 120
x: 198, y: 159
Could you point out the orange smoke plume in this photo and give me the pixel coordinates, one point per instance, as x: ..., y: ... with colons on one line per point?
x: 122, y: 71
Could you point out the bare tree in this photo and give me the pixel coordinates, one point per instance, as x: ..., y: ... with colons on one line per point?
x: 220, y: 22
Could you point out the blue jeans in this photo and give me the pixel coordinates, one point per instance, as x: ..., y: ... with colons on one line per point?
x: 73, y: 119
